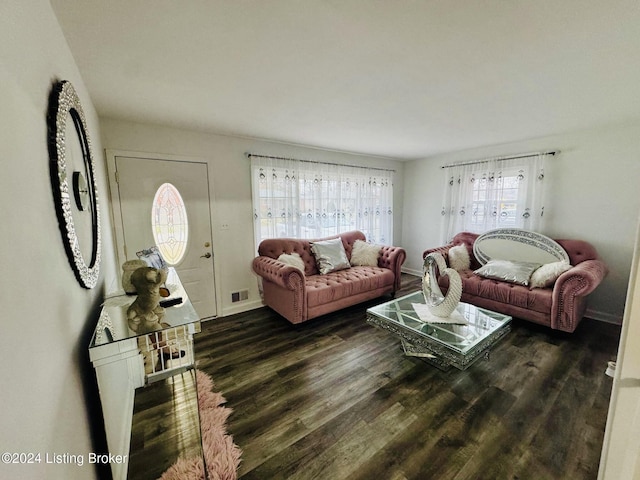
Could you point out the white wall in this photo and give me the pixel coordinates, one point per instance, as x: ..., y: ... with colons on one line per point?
x: 592, y: 195
x: 46, y: 315
x: 229, y: 174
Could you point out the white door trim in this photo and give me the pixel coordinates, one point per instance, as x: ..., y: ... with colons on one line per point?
x: 116, y: 213
x: 619, y: 459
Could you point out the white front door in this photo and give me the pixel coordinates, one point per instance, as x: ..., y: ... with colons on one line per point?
x: 143, y: 193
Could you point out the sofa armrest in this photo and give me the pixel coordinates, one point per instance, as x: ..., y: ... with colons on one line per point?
x: 393, y: 258
x: 582, y: 279
x: 579, y: 281
x: 279, y: 273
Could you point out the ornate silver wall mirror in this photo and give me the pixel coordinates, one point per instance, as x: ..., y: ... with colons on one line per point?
x: 75, y: 194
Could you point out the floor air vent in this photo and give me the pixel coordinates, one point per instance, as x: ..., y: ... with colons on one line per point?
x: 239, y: 296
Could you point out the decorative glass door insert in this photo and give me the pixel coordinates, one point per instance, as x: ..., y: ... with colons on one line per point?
x: 169, y: 223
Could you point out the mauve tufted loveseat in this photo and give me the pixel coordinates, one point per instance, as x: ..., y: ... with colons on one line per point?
x: 560, y: 306
x: 300, y: 297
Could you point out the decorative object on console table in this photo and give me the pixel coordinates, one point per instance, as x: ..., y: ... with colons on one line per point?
x: 145, y: 314
x: 64, y: 104
x: 152, y: 257
x: 128, y: 268
x: 440, y: 305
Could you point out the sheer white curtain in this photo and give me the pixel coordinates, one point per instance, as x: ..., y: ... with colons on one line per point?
x: 493, y: 194
x: 275, y: 186
x: 303, y: 199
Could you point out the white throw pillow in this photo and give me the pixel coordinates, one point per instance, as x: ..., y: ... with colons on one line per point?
x: 547, y: 274
x: 293, y: 259
x: 330, y: 255
x: 459, y: 258
x: 365, y: 254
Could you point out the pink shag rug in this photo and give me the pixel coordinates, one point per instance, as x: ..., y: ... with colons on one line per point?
x: 222, y: 456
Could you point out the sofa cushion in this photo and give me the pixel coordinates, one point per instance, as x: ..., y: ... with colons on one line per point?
x: 538, y: 299
x: 365, y: 254
x: 330, y: 255
x: 333, y: 286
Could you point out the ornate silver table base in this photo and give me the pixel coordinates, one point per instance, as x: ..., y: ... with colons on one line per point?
x: 441, y: 360
x: 441, y: 345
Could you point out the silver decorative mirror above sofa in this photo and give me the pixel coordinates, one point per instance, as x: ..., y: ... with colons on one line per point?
x: 519, y: 246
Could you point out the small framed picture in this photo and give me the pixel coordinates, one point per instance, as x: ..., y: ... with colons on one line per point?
x: 153, y: 258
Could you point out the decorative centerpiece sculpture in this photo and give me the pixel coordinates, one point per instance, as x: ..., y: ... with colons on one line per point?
x: 145, y: 314
x: 440, y: 305
x: 128, y: 268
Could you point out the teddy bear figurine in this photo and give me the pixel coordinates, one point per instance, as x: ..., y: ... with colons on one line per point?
x: 145, y: 314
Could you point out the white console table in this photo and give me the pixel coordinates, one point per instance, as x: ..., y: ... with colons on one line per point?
x: 125, y: 361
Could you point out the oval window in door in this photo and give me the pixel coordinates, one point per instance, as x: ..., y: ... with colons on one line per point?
x: 169, y: 223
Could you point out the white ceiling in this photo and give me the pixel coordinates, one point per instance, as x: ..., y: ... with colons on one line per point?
x: 399, y: 78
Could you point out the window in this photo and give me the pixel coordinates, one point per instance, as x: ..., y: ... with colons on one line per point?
x: 169, y: 223
x: 301, y: 199
x: 493, y: 194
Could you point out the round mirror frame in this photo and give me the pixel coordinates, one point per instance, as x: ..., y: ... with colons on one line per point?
x: 63, y: 104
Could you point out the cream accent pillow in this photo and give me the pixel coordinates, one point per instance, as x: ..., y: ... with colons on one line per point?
x: 508, y: 271
x: 547, y: 274
x: 330, y: 255
x: 293, y: 259
x: 365, y: 254
x: 459, y: 258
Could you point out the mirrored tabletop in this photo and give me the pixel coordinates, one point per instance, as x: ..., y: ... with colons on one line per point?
x: 112, y: 325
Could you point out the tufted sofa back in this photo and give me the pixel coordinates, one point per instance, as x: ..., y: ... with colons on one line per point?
x: 274, y: 247
x: 578, y: 250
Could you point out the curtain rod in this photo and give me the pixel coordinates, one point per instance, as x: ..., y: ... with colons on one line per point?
x: 509, y: 157
x: 249, y: 155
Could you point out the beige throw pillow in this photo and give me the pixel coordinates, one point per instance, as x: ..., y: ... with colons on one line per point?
x: 459, y: 258
x: 547, y: 274
x: 330, y: 255
x: 293, y: 259
x: 365, y: 254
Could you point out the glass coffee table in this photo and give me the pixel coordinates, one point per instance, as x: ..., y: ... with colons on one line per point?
x: 440, y: 344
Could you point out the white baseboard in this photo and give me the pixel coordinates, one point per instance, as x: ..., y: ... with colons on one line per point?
x: 411, y: 271
x: 603, y: 316
x: 242, y: 307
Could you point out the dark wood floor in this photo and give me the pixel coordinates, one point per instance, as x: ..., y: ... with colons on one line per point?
x: 336, y: 399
